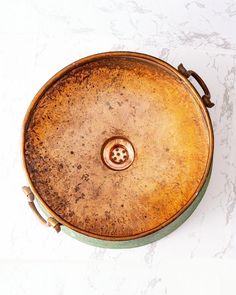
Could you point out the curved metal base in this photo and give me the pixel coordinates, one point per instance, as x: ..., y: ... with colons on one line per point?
x: 140, y: 241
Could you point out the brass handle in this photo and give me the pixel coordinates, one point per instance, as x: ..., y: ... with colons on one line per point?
x: 206, y: 98
x: 50, y: 221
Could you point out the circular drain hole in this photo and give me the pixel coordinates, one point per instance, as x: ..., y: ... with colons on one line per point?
x: 118, y: 153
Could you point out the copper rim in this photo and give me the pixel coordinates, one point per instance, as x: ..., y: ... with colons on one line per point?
x: 88, y: 59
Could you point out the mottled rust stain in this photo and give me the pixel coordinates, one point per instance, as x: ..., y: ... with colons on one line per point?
x: 117, y: 96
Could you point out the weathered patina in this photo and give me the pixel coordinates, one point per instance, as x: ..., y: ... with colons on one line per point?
x: 136, y: 98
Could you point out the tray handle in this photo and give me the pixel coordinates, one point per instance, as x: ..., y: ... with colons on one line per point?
x: 206, y: 98
x: 50, y: 221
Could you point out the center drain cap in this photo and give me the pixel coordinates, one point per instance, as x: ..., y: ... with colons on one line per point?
x: 118, y: 153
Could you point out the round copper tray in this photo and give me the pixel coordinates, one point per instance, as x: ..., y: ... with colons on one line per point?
x: 117, y: 145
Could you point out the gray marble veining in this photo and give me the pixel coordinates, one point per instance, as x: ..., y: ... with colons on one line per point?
x: 38, y: 38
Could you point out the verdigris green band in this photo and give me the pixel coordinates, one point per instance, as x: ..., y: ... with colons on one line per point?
x: 139, y: 241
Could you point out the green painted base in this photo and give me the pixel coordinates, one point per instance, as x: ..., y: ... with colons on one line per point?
x: 140, y: 241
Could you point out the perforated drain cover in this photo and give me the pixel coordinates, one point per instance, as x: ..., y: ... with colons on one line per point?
x: 117, y: 153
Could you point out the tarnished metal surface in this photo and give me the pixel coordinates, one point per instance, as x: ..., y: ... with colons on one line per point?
x: 131, y: 96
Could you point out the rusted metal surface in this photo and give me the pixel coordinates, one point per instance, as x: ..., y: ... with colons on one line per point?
x: 126, y: 95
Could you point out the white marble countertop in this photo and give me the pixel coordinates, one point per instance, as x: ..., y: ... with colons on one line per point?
x: 38, y: 38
